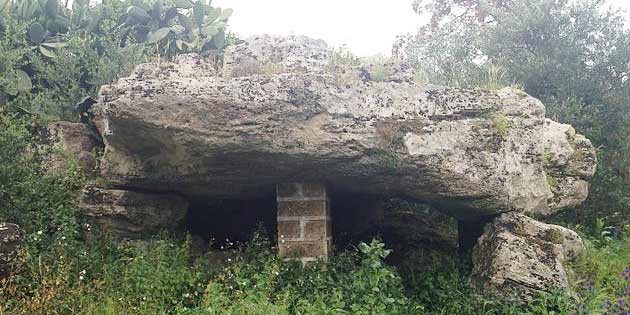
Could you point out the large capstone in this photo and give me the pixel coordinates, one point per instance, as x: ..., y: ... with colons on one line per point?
x: 280, y: 109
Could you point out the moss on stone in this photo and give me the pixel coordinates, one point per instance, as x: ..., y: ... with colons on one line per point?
x: 571, y: 136
x: 501, y: 124
x: 552, y: 181
x: 555, y: 236
x: 546, y: 159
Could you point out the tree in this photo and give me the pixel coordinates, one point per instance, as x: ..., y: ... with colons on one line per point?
x: 573, y: 55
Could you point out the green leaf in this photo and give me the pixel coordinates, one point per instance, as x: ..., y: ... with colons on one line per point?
x: 92, y: 25
x: 141, y: 32
x: 218, y: 40
x: 79, y: 4
x: 184, y: 21
x: 209, y: 31
x: 54, y: 45
x: 4, y: 5
x: 4, y: 96
x: 199, y: 12
x: 63, y: 22
x: 212, y: 14
x: 156, y: 11
x: 138, y: 14
x: 170, y: 14
x: 183, y: 4
x: 11, y: 89
x: 178, y: 29
x: 51, y: 8
x: 27, y: 9
x: 53, y: 27
x: 158, y: 35
x: 225, y: 15
x: 47, y: 52
x: 23, y: 81
x: 36, y: 33
x: 142, y: 5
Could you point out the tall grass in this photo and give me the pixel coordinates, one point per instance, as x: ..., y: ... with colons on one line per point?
x: 158, y: 277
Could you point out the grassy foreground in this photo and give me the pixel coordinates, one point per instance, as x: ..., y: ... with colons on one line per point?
x: 159, y: 278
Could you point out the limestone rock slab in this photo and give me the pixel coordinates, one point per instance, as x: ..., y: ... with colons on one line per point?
x: 280, y: 109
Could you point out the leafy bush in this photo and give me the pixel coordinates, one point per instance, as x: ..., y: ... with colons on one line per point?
x: 37, y: 200
x: 101, y: 277
x: 52, y: 57
x: 352, y: 283
x: 50, y: 84
x: 174, y: 32
x: 158, y: 277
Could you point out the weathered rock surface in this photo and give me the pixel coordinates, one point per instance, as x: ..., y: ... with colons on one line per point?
x: 568, y: 159
x: 75, y: 141
x: 518, y: 257
x: 11, y: 238
x: 278, y: 110
x: 127, y: 214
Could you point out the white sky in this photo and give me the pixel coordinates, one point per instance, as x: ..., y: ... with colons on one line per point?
x: 366, y: 27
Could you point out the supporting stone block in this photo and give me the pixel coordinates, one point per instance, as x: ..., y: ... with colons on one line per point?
x: 304, y: 225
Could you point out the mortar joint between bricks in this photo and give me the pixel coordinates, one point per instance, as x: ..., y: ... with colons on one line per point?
x: 289, y: 199
x: 302, y: 218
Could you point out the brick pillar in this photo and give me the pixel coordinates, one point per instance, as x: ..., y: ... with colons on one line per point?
x: 304, y: 230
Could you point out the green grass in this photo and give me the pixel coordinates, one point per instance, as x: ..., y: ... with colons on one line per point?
x: 158, y: 277
x: 601, y: 277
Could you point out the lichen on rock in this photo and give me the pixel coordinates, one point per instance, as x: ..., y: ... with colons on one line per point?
x: 202, y: 130
x: 518, y: 257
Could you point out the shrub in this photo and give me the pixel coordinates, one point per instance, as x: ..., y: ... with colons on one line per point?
x: 40, y: 202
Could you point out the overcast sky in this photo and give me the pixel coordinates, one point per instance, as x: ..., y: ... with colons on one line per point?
x: 366, y: 27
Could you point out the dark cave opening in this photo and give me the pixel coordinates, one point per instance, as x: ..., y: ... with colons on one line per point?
x: 226, y: 223
x: 401, y: 224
